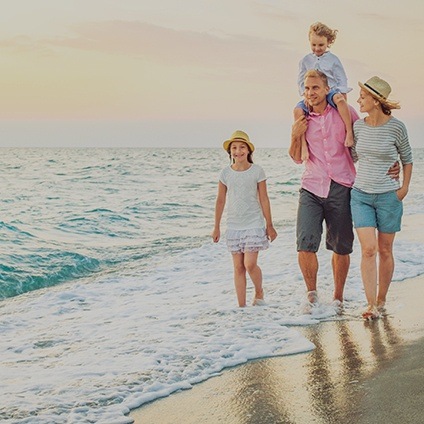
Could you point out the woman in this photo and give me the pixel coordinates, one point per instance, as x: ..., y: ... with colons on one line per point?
x: 376, y: 198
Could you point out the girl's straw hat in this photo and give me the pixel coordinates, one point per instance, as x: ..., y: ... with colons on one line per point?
x: 380, y: 90
x: 239, y: 136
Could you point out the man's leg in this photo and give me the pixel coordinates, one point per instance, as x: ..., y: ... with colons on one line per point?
x: 341, y: 265
x: 308, y: 263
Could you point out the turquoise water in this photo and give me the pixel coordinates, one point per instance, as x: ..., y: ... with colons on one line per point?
x: 67, y: 214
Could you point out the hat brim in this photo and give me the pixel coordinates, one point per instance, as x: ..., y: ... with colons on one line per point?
x: 227, y: 143
x: 390, y: 103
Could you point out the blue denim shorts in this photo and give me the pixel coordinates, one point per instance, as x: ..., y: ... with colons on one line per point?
x: 382, y: 211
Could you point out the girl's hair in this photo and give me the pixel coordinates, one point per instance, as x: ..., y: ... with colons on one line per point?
x: 323, y: 30
x: 249, y: 155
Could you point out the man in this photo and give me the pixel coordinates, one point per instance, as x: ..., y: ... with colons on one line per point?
x: 325, y: 189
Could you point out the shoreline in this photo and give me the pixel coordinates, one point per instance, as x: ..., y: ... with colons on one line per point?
x: 359, y: 372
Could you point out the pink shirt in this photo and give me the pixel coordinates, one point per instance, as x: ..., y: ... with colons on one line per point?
x: 329, y: 159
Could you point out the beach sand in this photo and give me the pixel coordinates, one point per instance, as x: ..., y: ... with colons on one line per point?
x: 359, y: 372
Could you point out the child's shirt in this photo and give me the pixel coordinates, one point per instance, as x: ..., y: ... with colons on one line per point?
x: 330, y: 65
x: 243, y: 208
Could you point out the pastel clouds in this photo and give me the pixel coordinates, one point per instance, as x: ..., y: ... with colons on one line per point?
x: 159, y: 71
x: 173, y: 64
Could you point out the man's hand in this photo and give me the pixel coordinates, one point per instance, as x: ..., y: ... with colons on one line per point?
x: 299, y: 127
x: 394, y: 171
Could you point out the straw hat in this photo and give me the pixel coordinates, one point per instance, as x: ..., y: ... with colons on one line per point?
x: 380, y: 90
x: 238, y: 136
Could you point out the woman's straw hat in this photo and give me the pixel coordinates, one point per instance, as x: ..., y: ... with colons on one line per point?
x: 380, y: 90
x: 239, y: 136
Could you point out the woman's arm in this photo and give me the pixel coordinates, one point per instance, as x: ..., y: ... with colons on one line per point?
x: 407, y: 174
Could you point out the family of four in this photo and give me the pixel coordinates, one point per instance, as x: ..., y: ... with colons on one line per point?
x: 328, y: 138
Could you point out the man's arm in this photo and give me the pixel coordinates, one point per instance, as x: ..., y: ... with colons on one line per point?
x: 298, y: 128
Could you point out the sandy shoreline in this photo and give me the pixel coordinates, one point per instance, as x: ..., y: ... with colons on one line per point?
x: 359, y: 372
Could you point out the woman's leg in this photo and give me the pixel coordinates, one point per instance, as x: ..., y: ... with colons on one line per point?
x: 368, y: 242
x: 240, y: 278
x: 386, y: 265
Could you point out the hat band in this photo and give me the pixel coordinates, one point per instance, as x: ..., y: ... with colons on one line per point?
x: 375, y: 91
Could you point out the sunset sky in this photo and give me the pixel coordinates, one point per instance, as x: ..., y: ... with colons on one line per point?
x: 188, y: 73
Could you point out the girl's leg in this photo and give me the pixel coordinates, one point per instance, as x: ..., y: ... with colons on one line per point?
x: 255, y: 273
x: 368, y: 242
x: 386, y: 265
x: 240, y: 278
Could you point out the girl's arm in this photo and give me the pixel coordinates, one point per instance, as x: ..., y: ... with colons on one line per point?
x: 219, y: 209
x: 266, y: 210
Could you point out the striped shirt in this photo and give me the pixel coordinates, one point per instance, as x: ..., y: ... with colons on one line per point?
x: 377, y: 149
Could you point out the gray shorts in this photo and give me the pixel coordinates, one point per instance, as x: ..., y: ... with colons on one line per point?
x: 335, y: 211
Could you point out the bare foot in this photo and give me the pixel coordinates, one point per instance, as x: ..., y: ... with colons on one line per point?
x: 258, y: 300
x: 370, y: 313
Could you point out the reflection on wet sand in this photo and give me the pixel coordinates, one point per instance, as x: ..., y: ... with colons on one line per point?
x: 323, y: 386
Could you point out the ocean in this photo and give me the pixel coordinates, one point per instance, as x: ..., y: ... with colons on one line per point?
x: 112, y: 293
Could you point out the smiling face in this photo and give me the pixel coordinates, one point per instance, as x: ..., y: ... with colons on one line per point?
x: 319, y: 44
x: 239, y: 151
x: 366, y: 101
x: 315, y: 93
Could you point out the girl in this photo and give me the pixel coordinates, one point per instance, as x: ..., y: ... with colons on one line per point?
x: 248, y: 205
x: 376, y: 198
x: 321, y: 37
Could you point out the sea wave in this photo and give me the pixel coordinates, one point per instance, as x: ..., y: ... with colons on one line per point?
x: 20, y: 274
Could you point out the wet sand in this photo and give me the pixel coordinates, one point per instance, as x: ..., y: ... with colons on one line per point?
x: 359, y: 372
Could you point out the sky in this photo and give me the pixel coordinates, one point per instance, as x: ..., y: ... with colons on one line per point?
x: 167, y: 73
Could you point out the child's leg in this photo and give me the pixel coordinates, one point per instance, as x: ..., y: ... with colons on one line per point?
x: 255, y: 273
x: 240, y: 278
x: 298, y: 112
x: 343, y: 108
